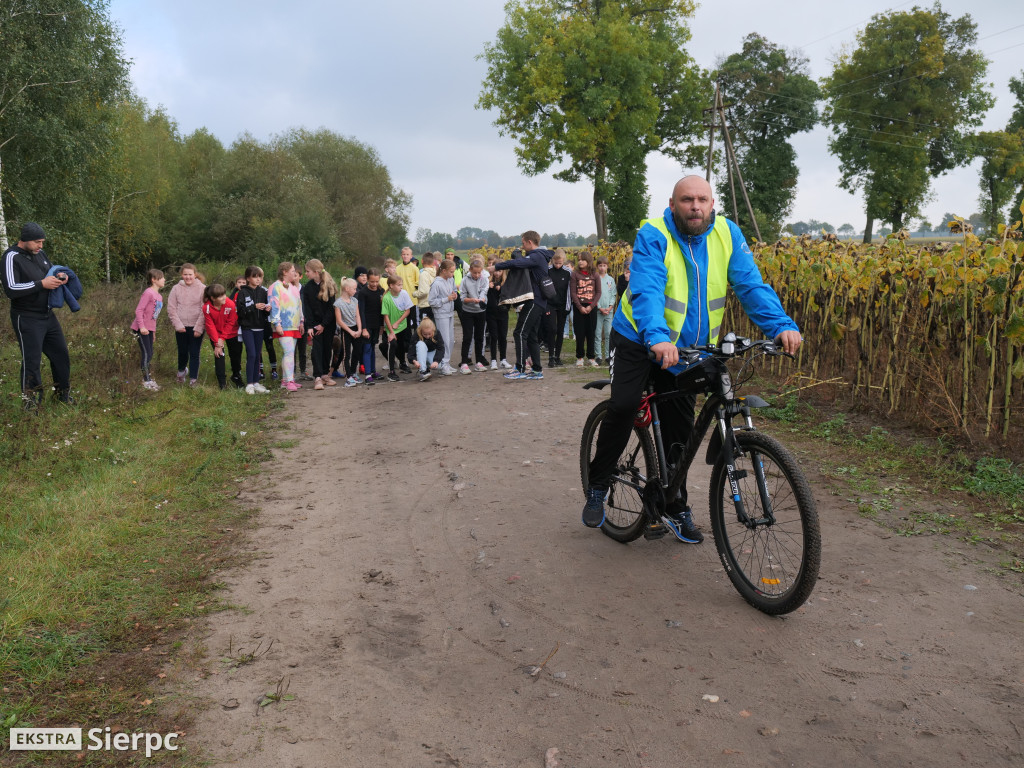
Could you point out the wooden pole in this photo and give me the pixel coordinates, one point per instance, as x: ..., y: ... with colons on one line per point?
x: 739, y: 174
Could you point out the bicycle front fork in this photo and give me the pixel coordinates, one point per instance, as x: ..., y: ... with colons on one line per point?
x: 730, y: 453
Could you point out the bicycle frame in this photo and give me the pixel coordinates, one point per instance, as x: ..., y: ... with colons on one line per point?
x: 711, y: 378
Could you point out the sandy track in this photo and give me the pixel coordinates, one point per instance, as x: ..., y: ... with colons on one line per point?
x: 421, y: 549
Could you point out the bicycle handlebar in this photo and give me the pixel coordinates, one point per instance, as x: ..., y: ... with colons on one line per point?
x: 731, y: 346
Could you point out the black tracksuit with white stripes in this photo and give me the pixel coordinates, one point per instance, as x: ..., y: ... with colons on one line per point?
x: 35, y: 325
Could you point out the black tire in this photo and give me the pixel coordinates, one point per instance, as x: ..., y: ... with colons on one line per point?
x: 624, y: 510
x: 773, y: 566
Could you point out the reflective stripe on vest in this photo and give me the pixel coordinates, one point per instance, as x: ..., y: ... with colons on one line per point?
x: 719, y: 245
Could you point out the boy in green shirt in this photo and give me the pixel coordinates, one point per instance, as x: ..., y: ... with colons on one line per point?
x: 394, y: 311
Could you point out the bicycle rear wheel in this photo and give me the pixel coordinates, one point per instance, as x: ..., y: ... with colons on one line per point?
x: 773, y: 565
x: 624, y: 509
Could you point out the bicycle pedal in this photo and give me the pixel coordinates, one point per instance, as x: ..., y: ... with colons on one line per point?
x: 655, y: 531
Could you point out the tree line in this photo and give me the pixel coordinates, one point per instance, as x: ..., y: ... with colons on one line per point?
x: 472, y: 237
x: 593, y: 87
x: 119, y: 188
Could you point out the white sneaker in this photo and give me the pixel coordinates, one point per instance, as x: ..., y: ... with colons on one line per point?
x: 150, y: 384
x: 579, y: 362
x: 464, y: 369
x: 259, y: 388
x: 447, y: 370
x: 481, y: 367
x: 494, y: 365
x: 593, y: 363
x: 505, y: 364
x: 250, y: 389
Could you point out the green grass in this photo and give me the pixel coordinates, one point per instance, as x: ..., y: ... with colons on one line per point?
x: 910, y: 484
x: 117, y: 514
x: 110, y: 534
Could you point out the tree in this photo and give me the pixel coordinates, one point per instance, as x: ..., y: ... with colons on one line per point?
x: 366, y: 210
x: 630, y: 200
x: 846, y: 230
x: 925, y: 227
x: 900, y: 107
x: 598, y: 85
x: 772, y: 98
x: 61, y: 72
x: 1002, y: 172
x: 1002, y: 168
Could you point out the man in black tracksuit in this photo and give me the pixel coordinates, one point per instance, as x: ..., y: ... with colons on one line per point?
x: 526, y: 335
x: 23, y: 272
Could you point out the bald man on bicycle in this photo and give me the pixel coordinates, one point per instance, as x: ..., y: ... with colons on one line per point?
x: 683, y: 264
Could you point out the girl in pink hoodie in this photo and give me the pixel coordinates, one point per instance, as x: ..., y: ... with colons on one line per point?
x: 185, y: 308
x: 144, y: 325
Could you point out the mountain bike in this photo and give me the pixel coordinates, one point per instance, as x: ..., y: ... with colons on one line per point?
x: 763, y: 516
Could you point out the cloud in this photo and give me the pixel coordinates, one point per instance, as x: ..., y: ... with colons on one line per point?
x: 403, y: 77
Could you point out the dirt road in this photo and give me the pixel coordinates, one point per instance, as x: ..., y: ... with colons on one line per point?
x: 420, y: 550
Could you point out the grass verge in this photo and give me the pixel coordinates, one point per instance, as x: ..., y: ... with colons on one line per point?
x: 910, y: 484
x: 116, y: 514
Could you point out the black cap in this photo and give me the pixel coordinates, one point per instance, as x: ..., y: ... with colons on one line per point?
x: 32, y: 231
x: 359, y: 271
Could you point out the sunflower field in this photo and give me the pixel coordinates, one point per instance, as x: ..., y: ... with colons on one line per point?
x: 933, y: 332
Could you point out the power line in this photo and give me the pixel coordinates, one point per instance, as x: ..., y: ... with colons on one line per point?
x: 871, y: 136
x: 843, y: 109
x: 1015, y: 45
x: 885, y: 71
x: 870, y: 130
x: 1000, y: 32
x: 844, y: 29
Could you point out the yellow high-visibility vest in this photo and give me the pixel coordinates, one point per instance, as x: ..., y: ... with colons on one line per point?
x: 719, y: 244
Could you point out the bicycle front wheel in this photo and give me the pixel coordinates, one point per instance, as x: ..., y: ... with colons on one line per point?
x: 773, y: 558
x: 624, y: 508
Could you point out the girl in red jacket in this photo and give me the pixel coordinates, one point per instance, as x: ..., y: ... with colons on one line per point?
x: 221, y: 319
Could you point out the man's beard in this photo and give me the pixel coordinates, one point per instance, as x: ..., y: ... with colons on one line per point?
x: 686, y: 228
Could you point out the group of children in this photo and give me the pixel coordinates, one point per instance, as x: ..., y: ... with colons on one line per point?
x: 408, y: 314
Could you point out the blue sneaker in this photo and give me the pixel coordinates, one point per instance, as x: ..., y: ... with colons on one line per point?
x: 593, y: 510
x: 680, y: 522
x: 534, y: 375
x: 515, y: 374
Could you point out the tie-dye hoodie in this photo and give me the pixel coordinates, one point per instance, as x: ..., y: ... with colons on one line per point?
x: 285, y: 309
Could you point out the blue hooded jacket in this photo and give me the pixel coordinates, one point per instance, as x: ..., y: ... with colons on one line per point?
x: 648, y: 276
x: 70, y: 292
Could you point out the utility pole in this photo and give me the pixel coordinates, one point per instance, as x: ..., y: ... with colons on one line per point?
x: 718, y: 113
x: 711, y: 133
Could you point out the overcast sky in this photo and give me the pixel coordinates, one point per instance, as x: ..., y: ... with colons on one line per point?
x: 403, y: 76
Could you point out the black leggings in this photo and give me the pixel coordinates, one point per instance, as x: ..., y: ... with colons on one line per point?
x: 218, y: 365
x: 497, y: 332
x: 630, y: 369
x: 235, y: 355
x: 585, y: 327
x: 268, y: 343
x: 300, y: 350
x: 189, y: 346
x: 321, y: 350
x: 146, y: 349
x: 352, y: 353
x: 398, y: 349
x: 554, y: 323
x: 473, y: 324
